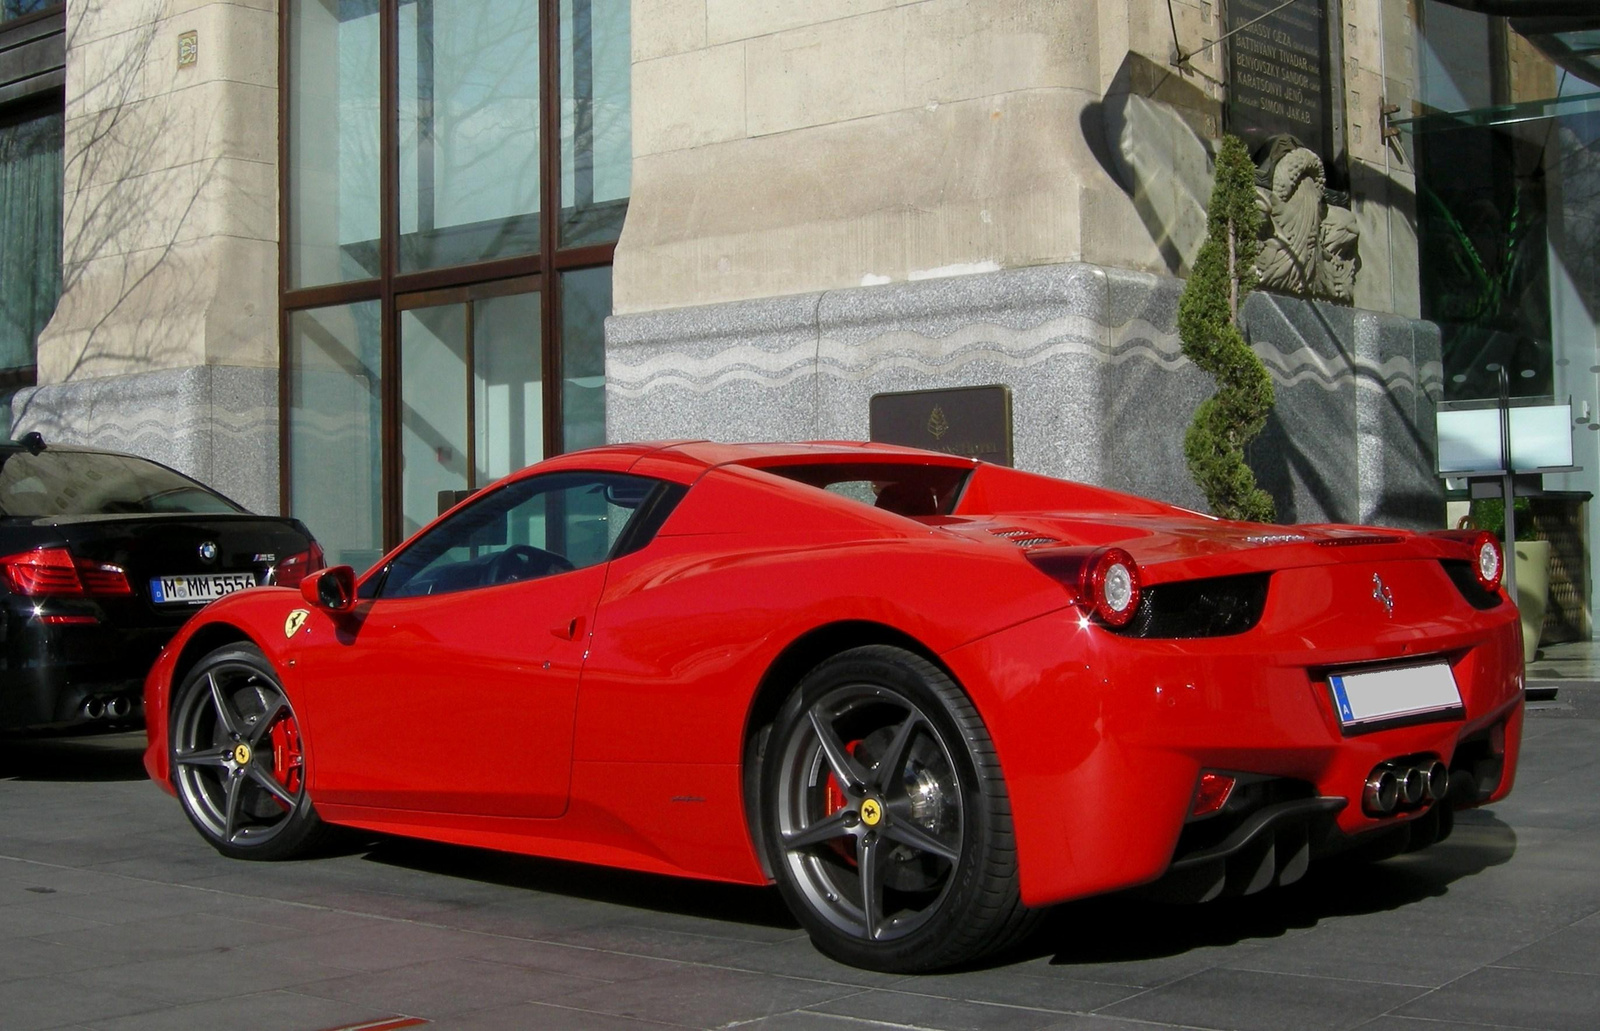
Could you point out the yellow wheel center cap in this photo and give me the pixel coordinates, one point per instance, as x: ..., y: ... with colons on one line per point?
x: 871, y: 812
x: 241, y: 754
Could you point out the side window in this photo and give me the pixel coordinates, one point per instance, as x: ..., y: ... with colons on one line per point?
x: 538, y: 527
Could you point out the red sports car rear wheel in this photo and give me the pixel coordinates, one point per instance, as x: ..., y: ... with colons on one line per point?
x: 886, y: 816
x: 237, y: 761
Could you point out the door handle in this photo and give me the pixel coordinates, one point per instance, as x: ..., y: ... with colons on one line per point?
x: 570, y: 630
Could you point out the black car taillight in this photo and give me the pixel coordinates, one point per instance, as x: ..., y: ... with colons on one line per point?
x: 290, y: 571
x: 54, y: 572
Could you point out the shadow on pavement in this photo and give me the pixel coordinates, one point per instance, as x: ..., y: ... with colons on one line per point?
x: 97, y: 757
x: 1122, y: 928
x: 664, y: 894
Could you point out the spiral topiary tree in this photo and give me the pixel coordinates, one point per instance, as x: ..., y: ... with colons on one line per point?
x: 1208, y: 325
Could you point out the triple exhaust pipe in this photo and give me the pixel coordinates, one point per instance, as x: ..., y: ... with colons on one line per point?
x: 1398, y: 784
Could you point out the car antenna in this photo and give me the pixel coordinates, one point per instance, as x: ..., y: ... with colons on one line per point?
x: 33, y: 440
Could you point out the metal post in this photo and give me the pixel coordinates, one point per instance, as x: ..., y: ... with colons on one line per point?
x: 1507, y: 485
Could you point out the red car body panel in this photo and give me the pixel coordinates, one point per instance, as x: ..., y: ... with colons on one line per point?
x: 604, y: 715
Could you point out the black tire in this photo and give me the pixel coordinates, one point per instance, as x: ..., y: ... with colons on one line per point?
x: 237, y: 761
x: 886, y: 819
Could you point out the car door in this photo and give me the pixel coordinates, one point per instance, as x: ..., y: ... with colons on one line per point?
x: 453, y: 688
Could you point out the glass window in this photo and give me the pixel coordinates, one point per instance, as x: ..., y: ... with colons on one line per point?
x: 71, y: 483
x: 30, y: 228
x: 334, y: 169
x: 585, y: 303
x: 383, y: 247
x: 469, y: 131
x: 433, y: 409
x: 596, y: 120
x: 17, y: 8
x: 528, y: 529
x: 335, y: 440
x: 508, y: 385
x: 461, y: 430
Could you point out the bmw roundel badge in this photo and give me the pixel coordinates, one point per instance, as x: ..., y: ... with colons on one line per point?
x: 208, y: 551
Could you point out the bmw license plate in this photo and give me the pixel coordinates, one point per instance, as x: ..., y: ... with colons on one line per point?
x: 198, y: 588
x: 1384, y: 696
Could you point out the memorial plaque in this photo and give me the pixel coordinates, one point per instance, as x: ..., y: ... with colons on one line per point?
x: 1278, y: 73
x: 973, y: 422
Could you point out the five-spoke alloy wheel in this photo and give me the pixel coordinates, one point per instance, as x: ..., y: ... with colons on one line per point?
x: 237, y: 760
x: 885, y: 816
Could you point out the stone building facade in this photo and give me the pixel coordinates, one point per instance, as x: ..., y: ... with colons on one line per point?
x: 834, y: 200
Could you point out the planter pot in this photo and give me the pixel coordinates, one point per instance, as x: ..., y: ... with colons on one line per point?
x: 1533, y: 591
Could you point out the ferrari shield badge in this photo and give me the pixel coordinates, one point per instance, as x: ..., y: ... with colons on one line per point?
x: 296, y: 620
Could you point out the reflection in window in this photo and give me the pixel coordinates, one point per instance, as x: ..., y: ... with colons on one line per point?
x: 17, y: 8
x: 507, y: 385
x: 585, y: 303
x: 527, y: 530
x: 61, y: 482
x: 471, y: 399
x: 30, y: 233
x: 596, y: 120
x: 469, y: 131
x: 335, y: 447
x: 333, y: 141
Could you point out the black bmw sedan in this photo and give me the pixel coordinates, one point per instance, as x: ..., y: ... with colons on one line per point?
x: 102, y: 557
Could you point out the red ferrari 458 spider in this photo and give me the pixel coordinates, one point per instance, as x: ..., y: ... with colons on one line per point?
x: 926, y: 696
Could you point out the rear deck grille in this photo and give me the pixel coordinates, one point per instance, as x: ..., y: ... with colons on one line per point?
x: 1024, y: 538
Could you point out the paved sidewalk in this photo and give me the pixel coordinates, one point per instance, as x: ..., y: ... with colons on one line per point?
x: 114, y: 915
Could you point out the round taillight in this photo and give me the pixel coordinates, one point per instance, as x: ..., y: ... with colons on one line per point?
x: 1487, y: 563
x: 1112, y: 586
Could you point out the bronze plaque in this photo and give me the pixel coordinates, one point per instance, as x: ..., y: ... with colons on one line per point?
x: 973, y: 422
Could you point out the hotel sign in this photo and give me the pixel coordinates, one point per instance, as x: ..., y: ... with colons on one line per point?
x: 973, y: 422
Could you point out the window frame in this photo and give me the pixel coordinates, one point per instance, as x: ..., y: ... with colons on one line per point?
x: 541, y: 270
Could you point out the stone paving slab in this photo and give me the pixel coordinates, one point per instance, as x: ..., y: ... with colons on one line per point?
x: 115, y: 915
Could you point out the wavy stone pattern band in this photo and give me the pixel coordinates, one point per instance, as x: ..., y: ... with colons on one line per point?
x: 1101, y: 389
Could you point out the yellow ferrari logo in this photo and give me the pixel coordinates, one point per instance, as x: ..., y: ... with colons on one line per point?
x: 241, y: 754
x: 296, y: 620
x: 871, y: 812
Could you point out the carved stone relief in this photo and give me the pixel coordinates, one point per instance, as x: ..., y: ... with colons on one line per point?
x: 1310, y: 245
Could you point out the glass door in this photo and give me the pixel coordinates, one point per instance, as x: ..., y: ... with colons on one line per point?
x: 471, y: 392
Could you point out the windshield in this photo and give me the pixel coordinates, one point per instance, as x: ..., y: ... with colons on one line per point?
x: 76, y: 483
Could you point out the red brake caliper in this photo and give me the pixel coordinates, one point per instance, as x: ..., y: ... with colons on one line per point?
x: 288, y: 761
x: 835, y: 801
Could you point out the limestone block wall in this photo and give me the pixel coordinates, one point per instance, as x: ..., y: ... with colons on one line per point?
x: 1380, y: 68
x: 782, y: 148
x: 1101, y: 390
x: 170, y: 238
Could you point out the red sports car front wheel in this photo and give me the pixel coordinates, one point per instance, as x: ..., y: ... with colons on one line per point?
x: 886, y: 818
x: 237, y: 761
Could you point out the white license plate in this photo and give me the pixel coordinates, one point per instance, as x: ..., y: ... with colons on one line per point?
x: 197, y: 589
x: 1385, y: 695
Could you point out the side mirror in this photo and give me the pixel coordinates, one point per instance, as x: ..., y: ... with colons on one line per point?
x: 333, y: 588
